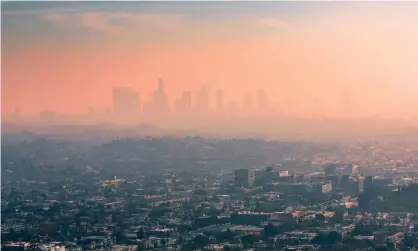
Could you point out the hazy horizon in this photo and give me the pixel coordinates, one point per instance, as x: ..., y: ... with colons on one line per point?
x: 333, y: 59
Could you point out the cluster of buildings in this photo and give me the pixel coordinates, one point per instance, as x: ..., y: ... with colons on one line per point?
x: 127, y: 106
x: 111, y: 198
x: 335, y: 178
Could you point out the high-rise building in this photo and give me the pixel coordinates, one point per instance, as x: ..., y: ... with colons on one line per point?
x: 329, y: 169
x: 159, y: 105
x: 219, y: 99
x: 160, y: 98
x: 360, y: 182
x: 351, y: 185
x: 320, y: 187
x: 126, y: 104
x: 202, y: 99
x: 335, y: 180
x: 244, y: 177
x: 184, y: 103
x: 368, y: 183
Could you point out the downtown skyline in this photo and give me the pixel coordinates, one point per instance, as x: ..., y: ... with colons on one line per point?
x: 128, y: 106
x: 189, y: 103
x: 308, y: 57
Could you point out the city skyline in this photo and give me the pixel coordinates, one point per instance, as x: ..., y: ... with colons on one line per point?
x: 186, y: 104
x: 308, y: 57
x: 128, y: 106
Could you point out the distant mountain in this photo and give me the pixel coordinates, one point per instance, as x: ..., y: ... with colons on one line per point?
x: 26, y: 135
x: 11, y: 128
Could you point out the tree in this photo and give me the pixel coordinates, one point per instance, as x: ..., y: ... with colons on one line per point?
x: 119, y: 235
x: 318, y: 240
x: 55, y: 209
x: 13, y: 235
x: 408, y: 239
x: 201, y: 241
x: 364, y: 199
x: 227, y: 235
x: 226, y: 248
x: 338, y: 216
x: 333, y: 237
x: 308, y: 223
x: 381, y: 248
x: 163, y: 242
x: 339, y: 247
x: 363, y: 229
x: 320, y: 217
x: 287, y: 226
x: 140, y: 234
x: 270, y: 230
x: 156, y: 213
x: 248, y: 240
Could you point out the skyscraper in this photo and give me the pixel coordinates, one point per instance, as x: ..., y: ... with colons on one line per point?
x: 184, y: 103
x: 160, y: 98
x: 202, y: 99
x: 368, y: 183
x: 244, y: 177
x: 219, y: 100
x: 158, y: 106
x: 126, y: 104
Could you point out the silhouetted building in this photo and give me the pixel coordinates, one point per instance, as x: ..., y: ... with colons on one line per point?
x: 360, y: 182
x: 329, y: 169
x: 352, y: 185
x: 202, y: 99
x: 243, y: 177
x: 184, y: 103
x: 269, y: 169
x: 158, y: 106
x: 382, y: 181
x: 335, y: 180
x: 298, y: 177
x: 219, y: 99
x: 368, y: 183
x: 321, y: 187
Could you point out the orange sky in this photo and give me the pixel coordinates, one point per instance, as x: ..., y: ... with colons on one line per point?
x: 63, y: 59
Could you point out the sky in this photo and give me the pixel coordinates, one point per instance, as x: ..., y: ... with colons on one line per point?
x: 322, y: 56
